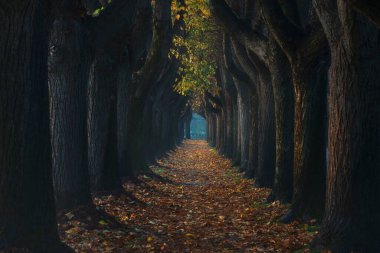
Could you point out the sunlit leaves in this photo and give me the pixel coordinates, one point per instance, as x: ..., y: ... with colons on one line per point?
x: 198, y: 62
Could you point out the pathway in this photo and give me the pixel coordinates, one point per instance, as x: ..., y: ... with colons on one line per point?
x: 194, y: 202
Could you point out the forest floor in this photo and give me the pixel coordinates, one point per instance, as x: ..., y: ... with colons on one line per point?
x: 195, y: 201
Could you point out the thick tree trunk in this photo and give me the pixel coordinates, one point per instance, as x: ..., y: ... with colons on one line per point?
x: 229, y: 91
x: 259, y: 74
x: 266, y: 133
x: 284, y: 106
x: 212, y: 129
x: 157, y: 127
x: 188, y: 127
x: 68, y: 77
x: 218, y: 136
x: 207, y: 128
x: 181, y: 130
x: 122, y: 110
x: 236, y: 131
x: 352, y: 216
x: 148, y: 130
x: 135, y: 151
x: 27, y: 212
x: 310, y: 84
x: 222, y: 142
x: 243, y: 108
x: 103, y: 125
x: 165, y: 129
x: 229, y: 129
x: 253, y: 137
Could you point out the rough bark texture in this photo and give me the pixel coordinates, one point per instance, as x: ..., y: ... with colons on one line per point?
x: 305, y: 49
x: 262, y: 87
x: 103, y: 147
x: 352, y: 218
x: 310, y: 142
x: 124, y: 80
x: 142, y: 82
x: 27, y: 212
x: 243, y: 109
x: 284, y: 107
x: 68, y: 77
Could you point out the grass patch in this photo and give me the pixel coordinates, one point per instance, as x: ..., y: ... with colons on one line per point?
x: 234, y: 174
x: 159, y: 170
x: 260, y: 204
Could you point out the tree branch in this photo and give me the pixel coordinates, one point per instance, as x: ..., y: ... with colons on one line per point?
x: 240, y: 29
x: 217, y: 101
x: 158, y: 52
x: 286, y: 32
x: 230, y: 64
x: 369, y: 8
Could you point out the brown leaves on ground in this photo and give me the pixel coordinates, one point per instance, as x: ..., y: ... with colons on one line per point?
x: 194, y: 201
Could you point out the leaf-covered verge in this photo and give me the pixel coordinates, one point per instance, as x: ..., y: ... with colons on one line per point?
x: 193, y: 201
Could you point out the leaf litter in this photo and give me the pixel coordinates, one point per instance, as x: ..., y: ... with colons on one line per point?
x: 192, y: 200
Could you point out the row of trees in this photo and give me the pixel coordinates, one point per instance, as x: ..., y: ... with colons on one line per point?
x: 297, y: 108
x: 86, y: 98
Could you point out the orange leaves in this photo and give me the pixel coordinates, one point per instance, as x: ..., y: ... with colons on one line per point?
x: 197, y: 203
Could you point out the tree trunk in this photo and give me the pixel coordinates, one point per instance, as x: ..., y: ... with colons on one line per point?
x: 27, y: 212
x: 122, y: 110
x: 188, y: 127
x: 310, y: 84
x: 253, y: 137
x: 266, y: 132
x: 243, y: 107
x: 229, y: 129
x: 352, y: 217
x: 68, y: 77
x: 236, y: 131
x: 103, y: 125
x: 259, y: 75
x: 135, y: 155
x: 148, y: 130
x: 284, y: 106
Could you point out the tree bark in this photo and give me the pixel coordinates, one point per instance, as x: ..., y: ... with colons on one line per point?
x: 103, y: 123
x: 68, y: 77
x: 27, y: 212
x: 352, y: 218
x: 306, y: 52
x: 310, y: 141
x: 262, y: 87
x: 284, y: 106
x: 243, y: 110
x: 253, y: 137
x: 124, y: 80
x: 135, y: 150
x: 188, y: 128
x: 142, y: 82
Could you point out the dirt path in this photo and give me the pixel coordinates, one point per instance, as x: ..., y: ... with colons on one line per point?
x: 196, y: 203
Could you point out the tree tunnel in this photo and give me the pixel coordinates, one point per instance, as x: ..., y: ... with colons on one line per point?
x: 93, y: 93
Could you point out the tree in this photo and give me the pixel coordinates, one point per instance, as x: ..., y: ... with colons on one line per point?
x: 27, y: 212
x: 267, y: 56
x: 351, y: 218
x: 75, y: 40
x: 142, y: 81
x: 69, y: 63
x: 301, y: 38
